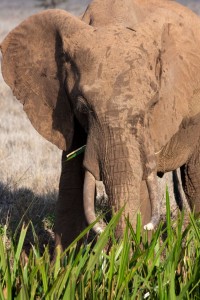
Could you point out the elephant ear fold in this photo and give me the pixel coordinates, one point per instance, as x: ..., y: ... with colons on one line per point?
x: 178, y: 71
x: 33, y: 66
x: 180, y: 67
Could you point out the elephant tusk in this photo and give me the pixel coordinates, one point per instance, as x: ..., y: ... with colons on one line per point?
x: 88, y: 201
x: 156, y: 153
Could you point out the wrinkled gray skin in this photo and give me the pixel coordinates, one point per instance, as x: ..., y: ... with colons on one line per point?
x: 124, y: 79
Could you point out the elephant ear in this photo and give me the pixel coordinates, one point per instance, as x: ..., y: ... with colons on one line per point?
x: 33, y: 65
x: 179, y: 73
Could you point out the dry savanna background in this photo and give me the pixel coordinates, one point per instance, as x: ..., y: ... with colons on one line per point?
x: 29, y: 165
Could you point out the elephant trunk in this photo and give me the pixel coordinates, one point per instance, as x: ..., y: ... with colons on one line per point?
x: 126, y: 194
x: 121, y: 171
x: 123, y: 189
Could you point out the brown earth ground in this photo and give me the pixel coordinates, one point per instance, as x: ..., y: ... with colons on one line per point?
x: 29, y: 165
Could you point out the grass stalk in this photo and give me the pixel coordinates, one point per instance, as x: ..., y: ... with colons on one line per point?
x: 163, y: 266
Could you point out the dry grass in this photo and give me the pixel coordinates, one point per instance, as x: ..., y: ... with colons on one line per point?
x: 29, y: 165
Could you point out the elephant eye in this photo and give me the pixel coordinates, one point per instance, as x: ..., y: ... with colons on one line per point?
x: 82, y: 105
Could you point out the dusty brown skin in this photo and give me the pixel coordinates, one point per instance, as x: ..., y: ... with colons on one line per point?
x: 125, y: 80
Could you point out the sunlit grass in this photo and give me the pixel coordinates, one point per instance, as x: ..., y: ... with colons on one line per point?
x: 135, y: 267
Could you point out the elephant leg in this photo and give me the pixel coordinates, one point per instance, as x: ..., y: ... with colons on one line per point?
x: 190, y: 175
x: 70, y: 219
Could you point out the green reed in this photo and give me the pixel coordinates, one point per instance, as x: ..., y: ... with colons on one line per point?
x: 164, y: 265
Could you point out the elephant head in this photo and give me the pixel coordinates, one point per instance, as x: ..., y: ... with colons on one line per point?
x: 62, y: 70
x: 109, y: 80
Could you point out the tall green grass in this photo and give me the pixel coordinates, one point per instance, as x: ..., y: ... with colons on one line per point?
x: 164, y: 266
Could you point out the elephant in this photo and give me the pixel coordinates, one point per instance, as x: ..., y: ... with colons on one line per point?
x: 124, y: 80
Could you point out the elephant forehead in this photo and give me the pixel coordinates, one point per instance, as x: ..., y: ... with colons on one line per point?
x: 126, y: 94
x: 121, y: 69
x: 120, y: 57
x: 118, y: 41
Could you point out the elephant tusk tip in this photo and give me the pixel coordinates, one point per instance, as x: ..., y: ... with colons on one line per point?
x: 98, y: 230
x: 149, y: 226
